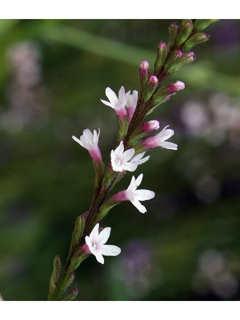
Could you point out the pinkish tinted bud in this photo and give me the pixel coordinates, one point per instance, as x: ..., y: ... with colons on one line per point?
x: 150, y: 88
x: 161, y: 56
x: 173, y: 31
x: 153, y: 80
x: 179, y: 54
x: 144, y: 68
x: 143, y: 73
x: 201, y: 24
x: 195, y: 39
x: 175, y: 87
x: 188, y: 58
x: 150, y: 126
x: 185, y: 31
x: 174, y: 58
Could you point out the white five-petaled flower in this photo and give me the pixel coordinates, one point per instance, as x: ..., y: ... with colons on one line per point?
x: 96, y: 244
x: 121, y: 160
x: 117, y: 103
x: 134, y: 195
x: 159, y: 140
x: 89, y: 141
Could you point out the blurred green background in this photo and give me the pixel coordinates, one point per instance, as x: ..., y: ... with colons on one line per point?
x: 53, y: 74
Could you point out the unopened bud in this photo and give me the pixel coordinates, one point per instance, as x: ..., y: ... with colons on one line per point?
x: 57, y: 266
x: 175, y: 57
x: 175, y: 87
x: 195, y: 39
x: 150, y: 126
x: 173, y: 31
x: 185, y: 31
x: 144, y: 69
x: 78, y: 230
x: 188, y: 58
x: 70, y: 295
x: 166, y: 92
x: 161, y: 56
x: 153, y: 81
x: 150, y: 88
x: 201, y: 24
x: 143, y: 73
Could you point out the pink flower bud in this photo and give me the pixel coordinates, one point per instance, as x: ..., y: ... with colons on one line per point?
x: 189, y: 57
x: 162, y: 45
x: 144, y: 69
x: 175, y: 87
x: 144, y: 66
x: 178, y: 54
x: 143, y: 73
x: 153, y: 80
x: 150, y: 126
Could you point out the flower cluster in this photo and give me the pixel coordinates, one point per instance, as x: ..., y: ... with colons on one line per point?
x: 135, y: 138
x: 123, y: 160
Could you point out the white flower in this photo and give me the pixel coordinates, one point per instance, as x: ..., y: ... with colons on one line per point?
x: 89, y: 141
x: 96, y: 244
x: 117, y: 103
x: 121, y: 160
x: 134, y: 195
x: 131, y: 104
x: 159, y: 140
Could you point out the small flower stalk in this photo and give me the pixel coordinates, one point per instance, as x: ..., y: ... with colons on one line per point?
x: 135, y: 138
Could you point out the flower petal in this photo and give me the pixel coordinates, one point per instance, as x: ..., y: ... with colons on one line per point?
x: 139, y: 206
x: 89, y: 243
x: 165, y: 134
x: 78, y: 141
x: 121, y: 94
x: 139, y: 158
x: 120, y: 149
x: 94, y: 233
x: 104, y: 235
x: 107, y: 103
x: 144, y: 194
x: 138, y: 180
x: 128, y: 154
x: 99, y: 257
x: 110, y: 250
x: 112, y: 97
x: 128, y: 166
x: 168, y: 145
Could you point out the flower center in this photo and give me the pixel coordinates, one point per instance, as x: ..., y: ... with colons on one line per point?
x: 94, y: 245
x: 118, y: 161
